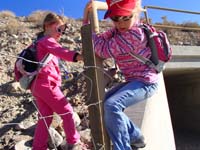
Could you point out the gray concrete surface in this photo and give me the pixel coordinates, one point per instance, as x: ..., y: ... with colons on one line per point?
x: 156, y: 121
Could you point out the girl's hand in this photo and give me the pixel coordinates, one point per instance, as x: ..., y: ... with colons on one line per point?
x: 88, y: 7
x: 79, y: 57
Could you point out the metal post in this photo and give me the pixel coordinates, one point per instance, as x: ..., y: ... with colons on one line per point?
x: 100, y: 138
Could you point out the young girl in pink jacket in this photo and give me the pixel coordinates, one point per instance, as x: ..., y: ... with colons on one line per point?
x: 46, y: 86
x: 119, y: 42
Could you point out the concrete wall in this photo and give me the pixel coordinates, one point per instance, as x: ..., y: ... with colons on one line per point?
x: 156, y: 124
x: 153, y: 117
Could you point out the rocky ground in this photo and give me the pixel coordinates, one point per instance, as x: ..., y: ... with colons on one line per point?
x: 18, y: 114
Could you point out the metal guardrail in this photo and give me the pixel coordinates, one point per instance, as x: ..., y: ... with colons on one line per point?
x: 174, y: 10
x: 176, y: 27
x: 98, y: 5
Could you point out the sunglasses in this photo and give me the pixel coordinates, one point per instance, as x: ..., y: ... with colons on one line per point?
x: 61, y: 29
x: 121, y: 18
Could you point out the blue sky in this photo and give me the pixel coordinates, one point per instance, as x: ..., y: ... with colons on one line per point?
x: 74, y: 8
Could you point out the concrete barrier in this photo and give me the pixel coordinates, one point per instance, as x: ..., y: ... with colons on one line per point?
x: 153, y: 117
x: 156, y: 124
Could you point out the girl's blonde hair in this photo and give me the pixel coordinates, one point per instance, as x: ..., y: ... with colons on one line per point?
x: 137, y: 10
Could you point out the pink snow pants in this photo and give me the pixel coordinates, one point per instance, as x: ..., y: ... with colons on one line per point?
x: 49, y: 99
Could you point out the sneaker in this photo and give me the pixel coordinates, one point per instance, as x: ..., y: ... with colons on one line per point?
x: 77, y: 146
x: 139, y: 143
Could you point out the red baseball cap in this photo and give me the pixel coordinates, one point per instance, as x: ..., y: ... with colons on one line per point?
x: 119, y: 8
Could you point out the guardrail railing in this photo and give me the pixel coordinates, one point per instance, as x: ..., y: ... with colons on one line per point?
x: 173, y: 10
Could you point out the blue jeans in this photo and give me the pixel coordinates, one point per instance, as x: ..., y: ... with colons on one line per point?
x: 122, y: 131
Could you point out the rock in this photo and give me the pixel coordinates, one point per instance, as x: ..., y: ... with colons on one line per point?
x: 86, y: 136
x: 21, y: 146
x: 55, y: 140
x: 14, y: 87
x: 19, y: 126
x: 64, y: 145
x: 78, y: 39
x: 57, y: 121
x: 68, y: 40
x: 77, y: 119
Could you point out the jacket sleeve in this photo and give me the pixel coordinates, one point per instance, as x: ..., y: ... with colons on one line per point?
x: 53, y: 47
x: 104, y: 44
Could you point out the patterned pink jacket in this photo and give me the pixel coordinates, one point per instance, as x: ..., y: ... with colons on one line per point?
x: 117, y: 45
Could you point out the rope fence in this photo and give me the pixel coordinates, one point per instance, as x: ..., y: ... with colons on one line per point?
x: 88, y: 99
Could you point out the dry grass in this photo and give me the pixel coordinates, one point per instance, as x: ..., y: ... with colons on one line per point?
x: 7, y: 13
x: 37, y: 17
x: 13, y: 26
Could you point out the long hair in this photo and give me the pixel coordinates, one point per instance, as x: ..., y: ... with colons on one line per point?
x: 137, y: 10
x: 50, y: 18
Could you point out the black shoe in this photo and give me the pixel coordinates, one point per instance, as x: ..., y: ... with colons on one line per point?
x: 139, y: 143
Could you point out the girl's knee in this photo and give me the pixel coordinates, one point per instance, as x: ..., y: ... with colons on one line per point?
x: 111, y: 106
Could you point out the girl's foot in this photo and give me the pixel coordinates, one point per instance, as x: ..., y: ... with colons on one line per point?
x: 139, y: 143
x: 77, y: 146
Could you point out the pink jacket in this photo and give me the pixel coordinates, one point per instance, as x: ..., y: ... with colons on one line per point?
x: 51, y: 71
x: 119, y: 45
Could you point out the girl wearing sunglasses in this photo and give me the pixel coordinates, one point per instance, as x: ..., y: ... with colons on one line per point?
x: 141, y: 81
x: 46, y: 86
